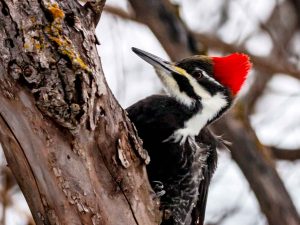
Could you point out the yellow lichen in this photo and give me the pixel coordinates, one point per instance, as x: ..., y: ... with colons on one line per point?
x: 26, y: 46
x: 79, y: 61
x: 33, y: 19
x: 38, y: 46
x: 56, y: 12
x: 57, y: 40
x: 67, y: 49
x: 65, y: 46
x: 33, y: 41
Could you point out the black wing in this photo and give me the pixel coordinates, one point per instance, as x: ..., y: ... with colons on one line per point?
x: 207, y: 138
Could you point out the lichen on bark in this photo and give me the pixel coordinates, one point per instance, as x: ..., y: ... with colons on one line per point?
x: 64, y: 84
x: 51, y: 78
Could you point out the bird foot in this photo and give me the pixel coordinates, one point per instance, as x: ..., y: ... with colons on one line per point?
x: 158, y: 188
x: 179, y: 136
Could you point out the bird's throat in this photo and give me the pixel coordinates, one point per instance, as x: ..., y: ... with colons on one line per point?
x: 210, y: 110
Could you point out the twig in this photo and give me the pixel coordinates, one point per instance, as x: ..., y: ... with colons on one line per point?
x: 271, y: 65
x: 285, y: 154
x: 119, y: 13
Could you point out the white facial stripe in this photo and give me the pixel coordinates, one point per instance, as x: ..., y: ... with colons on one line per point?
x: 173, y: 88
x: 198, y: 89
x: 184, y: 73
x: 193, y: 125
x: 211, y: 105
x: 210, y: 78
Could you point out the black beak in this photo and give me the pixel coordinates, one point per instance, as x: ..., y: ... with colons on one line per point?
x: 155, y: 60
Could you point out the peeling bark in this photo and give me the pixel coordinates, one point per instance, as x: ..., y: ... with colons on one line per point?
x: 71, y: 147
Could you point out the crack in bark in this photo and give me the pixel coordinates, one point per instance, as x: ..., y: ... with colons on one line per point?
x: 8, y: 14
x: 44, y: 62
x: 27, y: 162
x: 120, y: 187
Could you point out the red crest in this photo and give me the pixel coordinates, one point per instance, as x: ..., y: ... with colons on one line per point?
x: 231, y: 71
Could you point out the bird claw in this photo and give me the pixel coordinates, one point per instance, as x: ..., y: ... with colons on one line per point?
x: 158, y: 184
x: 160, y: 193
x: 177, y: 137
x: 173, y: 138
x: 158, y: 188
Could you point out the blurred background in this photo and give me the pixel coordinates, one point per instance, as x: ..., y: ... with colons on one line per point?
x: 269, y: 31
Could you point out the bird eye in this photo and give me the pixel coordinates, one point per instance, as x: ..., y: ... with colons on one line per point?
x: 197, y: 73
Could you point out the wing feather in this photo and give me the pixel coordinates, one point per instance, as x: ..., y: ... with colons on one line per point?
x: 206, y: 137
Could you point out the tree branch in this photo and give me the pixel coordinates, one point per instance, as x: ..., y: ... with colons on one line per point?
x: 267, y: 64
x: 285, y: 154
x: 280, y: 42
x: 161, y: 18
x: 118, y: 12
x: 258, y: 167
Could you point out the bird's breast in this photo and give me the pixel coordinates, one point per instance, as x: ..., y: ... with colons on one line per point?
x: 193, y: 125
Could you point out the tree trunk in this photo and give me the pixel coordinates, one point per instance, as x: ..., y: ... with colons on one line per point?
x: 71, y: 147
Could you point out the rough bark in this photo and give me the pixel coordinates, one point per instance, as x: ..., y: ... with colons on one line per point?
x: 69, y: 144
x: 255, y: 162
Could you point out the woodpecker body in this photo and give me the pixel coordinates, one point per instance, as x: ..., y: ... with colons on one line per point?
x: 182, y: 151
x: 180, y: 167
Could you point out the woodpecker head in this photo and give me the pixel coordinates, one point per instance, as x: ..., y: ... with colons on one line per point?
x: 199, y: 78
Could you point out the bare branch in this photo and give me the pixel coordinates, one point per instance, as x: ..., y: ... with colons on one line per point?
x: 285, y: 154
x: 161, y: 18
x: 270, y: 65
x: 257, y: 88
x: 296, y: 4
x: 116, y: 11
x: 258, y: 167
x: 274, y: 28
x: 267, y: 64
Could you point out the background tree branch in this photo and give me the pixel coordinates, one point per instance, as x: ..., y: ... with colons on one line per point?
x: 285, y: 154
x: 198, y: 40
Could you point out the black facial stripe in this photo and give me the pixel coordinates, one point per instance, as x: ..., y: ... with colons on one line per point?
x: 184, y: 85
x: 190, y: 64
x: 209, y: 86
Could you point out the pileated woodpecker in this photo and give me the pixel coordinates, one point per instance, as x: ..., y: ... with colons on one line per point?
x: 173, y: 128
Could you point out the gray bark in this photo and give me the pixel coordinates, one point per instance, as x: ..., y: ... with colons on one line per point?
x: 70, y: 145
